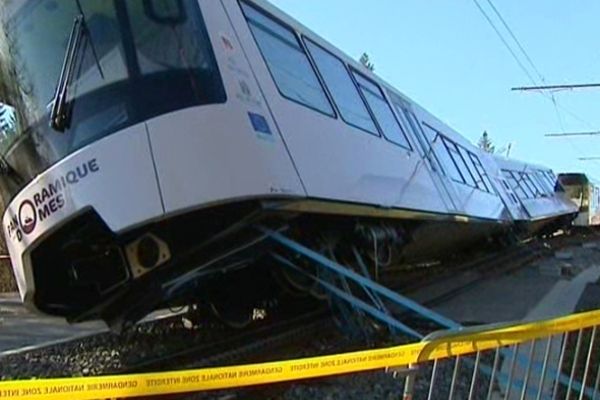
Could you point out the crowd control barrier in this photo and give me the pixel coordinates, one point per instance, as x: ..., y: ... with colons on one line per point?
x: 558, y: 358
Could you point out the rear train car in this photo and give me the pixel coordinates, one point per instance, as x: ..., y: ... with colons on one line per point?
x: 538, y: 204
x: 584, y: 192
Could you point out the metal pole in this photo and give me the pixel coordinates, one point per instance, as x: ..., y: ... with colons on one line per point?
x: 454, y: 376
x: 432, y: 380
x: 597, y: 384
x: 544, y: 368
x: 587, y: 364
x: 560, y: 361
x: 528, y: 371
x: 474, y: 377
x: 493, y: 375
x: 513, y: 361
x: 574, y: 366
x: 409, y: 384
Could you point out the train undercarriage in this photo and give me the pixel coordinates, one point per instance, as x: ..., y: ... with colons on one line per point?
x: 221, y: 259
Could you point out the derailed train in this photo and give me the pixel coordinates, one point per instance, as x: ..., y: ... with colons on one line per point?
x: 152, y: 137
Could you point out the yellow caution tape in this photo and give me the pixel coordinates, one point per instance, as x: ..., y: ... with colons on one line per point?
x: 279, y: 371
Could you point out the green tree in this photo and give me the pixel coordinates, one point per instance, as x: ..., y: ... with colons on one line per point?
x: 366, y: 61
x: 485, y: 143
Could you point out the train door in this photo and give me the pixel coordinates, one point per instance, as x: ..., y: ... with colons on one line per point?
x: 426, y: 151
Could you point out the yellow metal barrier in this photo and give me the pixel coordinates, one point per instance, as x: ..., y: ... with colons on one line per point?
x: 452, y: 345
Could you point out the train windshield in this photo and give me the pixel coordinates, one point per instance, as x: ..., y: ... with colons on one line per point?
x: 119, y: 62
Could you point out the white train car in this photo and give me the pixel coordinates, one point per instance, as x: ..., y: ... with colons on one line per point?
x: 585, y: 193
x: 153, y: 135
x: 533, y: 188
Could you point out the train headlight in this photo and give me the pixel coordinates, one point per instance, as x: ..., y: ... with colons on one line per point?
x: 146, y: 253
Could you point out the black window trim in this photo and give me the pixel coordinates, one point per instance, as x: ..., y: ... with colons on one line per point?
x: 387, y: 102
x: 516, y: 185
x: 484, y: 175
x: 487, y: 188
x: 460, y: 149
x: 313, y: 42
x: 445, y: 141
x: 417, y: 127
x: 538, y: 176
x: 530, y: 184
x: 300, y: 48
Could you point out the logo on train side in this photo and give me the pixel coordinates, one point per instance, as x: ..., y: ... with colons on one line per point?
x: 47, y: 201
x: 27, y: 216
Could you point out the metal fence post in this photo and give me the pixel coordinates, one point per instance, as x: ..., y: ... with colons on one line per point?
x: 587, y: 363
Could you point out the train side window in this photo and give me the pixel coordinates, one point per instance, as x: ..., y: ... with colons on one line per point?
x: 533, y: 181
x: 419, y: 131
x: 288, y: 63
x: 542, y: 181
x: 382, y: 111
x: 479, y: 183
x: 524, y: 183
x: 526, y: 179
x: 351, y: 107
x: 482, y: 172
x: 514, y: 183
x: 448, y: 165
x: 454, y: 154
x: 551, y: 179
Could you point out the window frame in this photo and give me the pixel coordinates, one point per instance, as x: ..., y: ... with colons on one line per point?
x: 516, y: 187
x: 405, y: 113
x: 354, y: 72
x: 413, y: 121
x: 432, y: 142
x: 483, y: 173
x: 538, y: 175
x: 479, y: 183
x: 301, y: 48
x: 306, y: 39
x: 547, y: 174
x: 445, y: 142
x: 530, y: 184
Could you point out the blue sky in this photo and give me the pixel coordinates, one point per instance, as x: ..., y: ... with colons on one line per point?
x: 444, y: 55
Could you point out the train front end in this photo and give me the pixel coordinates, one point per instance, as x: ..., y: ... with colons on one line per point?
x: 116, y: 122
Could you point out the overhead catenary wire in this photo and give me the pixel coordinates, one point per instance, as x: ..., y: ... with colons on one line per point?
x: 557, y: 87
x: 514, y: 37
x: 505, y: 42
x: 590, y: 133
x: 549, y: 96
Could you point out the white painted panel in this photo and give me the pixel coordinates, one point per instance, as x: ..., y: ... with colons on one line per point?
x: 212, y: 153
x: 554, y: 204
x: 337, y: 161
x: 114, y: 176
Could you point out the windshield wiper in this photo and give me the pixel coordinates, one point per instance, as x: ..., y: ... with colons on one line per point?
x: 59, y: 114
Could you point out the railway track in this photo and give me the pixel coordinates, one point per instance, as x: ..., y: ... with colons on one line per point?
x: 285, y: 333
x: 242, y: 344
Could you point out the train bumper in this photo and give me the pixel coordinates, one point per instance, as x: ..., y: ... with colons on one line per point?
x: 115, y: 177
